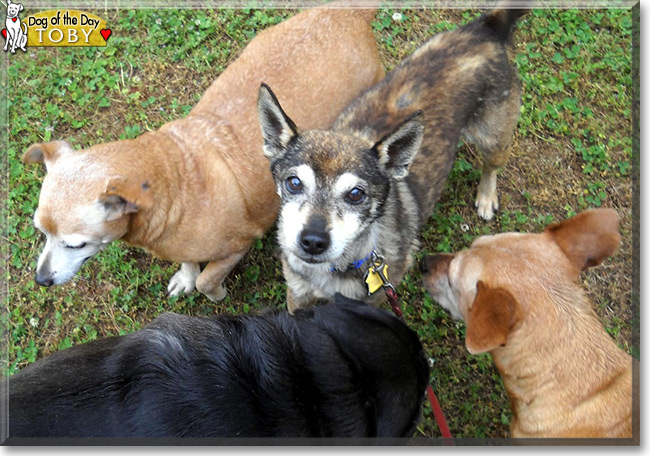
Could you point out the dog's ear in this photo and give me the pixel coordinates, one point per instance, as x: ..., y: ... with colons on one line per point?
x: 587, y: 238
x: 21, y: 8
x: 277, y: 128
x: 493, y: 314
x: 397, y: 150
x: 46, y: 153
x: 123, y: 197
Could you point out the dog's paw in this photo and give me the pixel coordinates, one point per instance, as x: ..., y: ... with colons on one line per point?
x: 486, y: 204
x: 181, y: 282
x: 218, y: 295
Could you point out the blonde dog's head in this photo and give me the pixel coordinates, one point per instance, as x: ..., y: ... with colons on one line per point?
x: 81, y: 209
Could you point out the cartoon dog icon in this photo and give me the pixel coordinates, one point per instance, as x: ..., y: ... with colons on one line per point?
x: 16, y: 36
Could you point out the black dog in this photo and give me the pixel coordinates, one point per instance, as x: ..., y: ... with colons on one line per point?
x: 336, y: 370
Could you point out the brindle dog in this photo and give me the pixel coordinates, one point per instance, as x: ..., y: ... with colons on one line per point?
x: 361, y: 191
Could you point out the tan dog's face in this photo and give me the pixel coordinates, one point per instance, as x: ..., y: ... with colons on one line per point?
x: 503, y: 278
x: 501, y: 260
x: 81, y: 209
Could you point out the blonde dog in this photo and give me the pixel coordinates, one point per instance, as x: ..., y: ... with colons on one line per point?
x: 199, y: 189
x: 520, y: 299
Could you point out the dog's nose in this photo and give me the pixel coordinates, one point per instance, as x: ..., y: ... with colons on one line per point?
x: 436, y: 264
x: 314, y: 242
x: 424, y: 264
x: 44, y: 280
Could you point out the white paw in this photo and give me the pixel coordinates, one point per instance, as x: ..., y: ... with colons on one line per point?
x: 486, y: 203
x: 218, y: 295
x: 184, y: 280
x: 179, y: 284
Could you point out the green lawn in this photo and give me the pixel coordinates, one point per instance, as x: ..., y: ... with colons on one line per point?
x: 572, y: 151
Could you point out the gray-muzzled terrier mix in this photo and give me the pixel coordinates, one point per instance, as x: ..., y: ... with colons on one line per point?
x: 355, y: 197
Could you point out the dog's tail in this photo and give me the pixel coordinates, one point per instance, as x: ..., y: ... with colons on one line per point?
x: 501, y: 21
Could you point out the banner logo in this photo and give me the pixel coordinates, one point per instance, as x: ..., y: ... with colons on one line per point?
x: 53, y: 28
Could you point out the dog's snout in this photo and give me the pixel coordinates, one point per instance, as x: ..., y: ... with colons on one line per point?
x: 424, y: 264
x: 314, y: 242
x: 433, y: 263
x: 44, y: 280
x: 314, y: 239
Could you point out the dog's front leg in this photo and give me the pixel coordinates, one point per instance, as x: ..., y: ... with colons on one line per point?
x: 210, y: 281
x: 184, y: 280
x: 15, y: 42
x: 292, y: 304
x: 11, y: 39
x: 298, y: 290
x: 295, y: 302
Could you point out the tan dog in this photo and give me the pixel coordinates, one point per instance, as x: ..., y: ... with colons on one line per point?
x: 199, y: 189
x: 520, y: 299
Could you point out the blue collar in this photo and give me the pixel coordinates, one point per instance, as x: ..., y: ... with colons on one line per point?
x: 354, y: 265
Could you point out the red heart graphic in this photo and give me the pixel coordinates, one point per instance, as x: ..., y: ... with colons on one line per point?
x: 4, y: 33
x: 105, y: 33
x: 14, y: 19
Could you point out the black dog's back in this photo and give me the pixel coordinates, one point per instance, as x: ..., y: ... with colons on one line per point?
x: 335, y: 370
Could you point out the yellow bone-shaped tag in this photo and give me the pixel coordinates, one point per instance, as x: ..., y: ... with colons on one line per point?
x: 373, y: 279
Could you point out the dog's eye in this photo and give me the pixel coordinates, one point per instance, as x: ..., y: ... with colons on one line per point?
x: 80, y: 246
x: 294, y: 185
x: 355, y: 196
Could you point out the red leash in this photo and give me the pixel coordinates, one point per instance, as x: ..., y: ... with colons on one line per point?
x: 433, y: 400
x: 376, y: 277
x: 440, y: 417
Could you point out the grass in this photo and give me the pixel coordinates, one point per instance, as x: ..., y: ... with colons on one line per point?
x: 572, y: 151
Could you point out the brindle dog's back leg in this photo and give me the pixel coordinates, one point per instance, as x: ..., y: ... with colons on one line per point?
x: 492, y: 129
